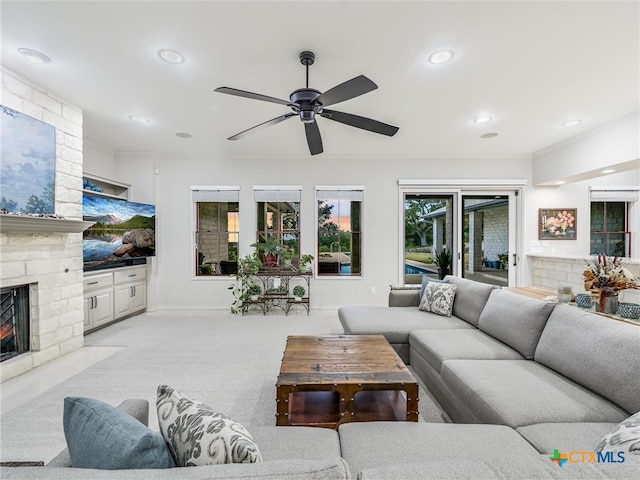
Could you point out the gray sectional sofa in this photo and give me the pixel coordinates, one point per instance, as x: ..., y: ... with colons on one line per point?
x: 555, y: 376
x: 520, y: 378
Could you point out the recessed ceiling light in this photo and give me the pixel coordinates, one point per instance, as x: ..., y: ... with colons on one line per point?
x: 139, y: 118
x: 183, y: 134
x: 441, y: 56
x: 171, y: 56
x: 608, y: 170
x: 489, y: 135
x: 34, y: 56
x: 483, y: 119
x: 571, y: 123
x: 560, y: 182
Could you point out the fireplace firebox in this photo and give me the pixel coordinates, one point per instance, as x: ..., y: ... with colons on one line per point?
x: 14, y: 321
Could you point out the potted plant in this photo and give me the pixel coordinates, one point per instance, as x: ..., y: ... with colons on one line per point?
x: 298, y: 292
x: 247, y: 267
x: 270, y: 248
x: 287, y: 255
x: 504, y: 260
x: 305, y: 262
x: 254, y: 291
x: 443, y: 260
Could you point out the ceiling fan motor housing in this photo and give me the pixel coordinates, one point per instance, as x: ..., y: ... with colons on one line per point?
x: 304, y: 104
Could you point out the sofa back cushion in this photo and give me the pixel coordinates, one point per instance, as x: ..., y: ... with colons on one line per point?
x: 597, y: 352
x: 515, y: 320
x: 471, y: 297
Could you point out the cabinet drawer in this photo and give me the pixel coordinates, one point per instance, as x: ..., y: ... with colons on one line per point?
x: 130, y: 275
x: 94, y: 282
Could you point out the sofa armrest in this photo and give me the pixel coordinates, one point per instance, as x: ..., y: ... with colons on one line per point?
x: 138, y: 408
x: 401, y: 296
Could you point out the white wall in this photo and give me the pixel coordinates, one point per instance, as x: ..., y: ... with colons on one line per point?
x: 173, y: 288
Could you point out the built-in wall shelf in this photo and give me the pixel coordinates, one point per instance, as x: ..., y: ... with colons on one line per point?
x: 29, y: 224
x: 107, y: 187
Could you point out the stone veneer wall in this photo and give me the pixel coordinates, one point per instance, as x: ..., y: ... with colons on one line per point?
x: 50, y: 263
x: 551, y: 271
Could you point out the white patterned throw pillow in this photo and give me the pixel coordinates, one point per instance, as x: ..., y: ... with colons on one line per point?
x: 438, y: 298
x: 197, y: 435
x: 625, y: 436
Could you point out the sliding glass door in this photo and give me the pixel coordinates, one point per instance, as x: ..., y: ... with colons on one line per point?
x: 467, y: 233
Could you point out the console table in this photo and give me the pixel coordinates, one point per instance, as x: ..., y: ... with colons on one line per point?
x: 277, y: 287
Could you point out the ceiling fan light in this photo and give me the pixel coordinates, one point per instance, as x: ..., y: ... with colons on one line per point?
x: 307, y: 116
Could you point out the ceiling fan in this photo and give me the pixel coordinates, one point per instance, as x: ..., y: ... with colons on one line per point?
x: 308, y: 103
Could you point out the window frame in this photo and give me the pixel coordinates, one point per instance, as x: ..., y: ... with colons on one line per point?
x: 221, y: 194
x: 352, y: 193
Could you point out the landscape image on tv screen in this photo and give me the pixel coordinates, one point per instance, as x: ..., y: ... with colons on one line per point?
x: 122, y: 231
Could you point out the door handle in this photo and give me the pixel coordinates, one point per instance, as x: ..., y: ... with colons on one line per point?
x: 515, y: 256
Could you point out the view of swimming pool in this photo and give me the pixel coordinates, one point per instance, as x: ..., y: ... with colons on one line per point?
x: 410, y: 269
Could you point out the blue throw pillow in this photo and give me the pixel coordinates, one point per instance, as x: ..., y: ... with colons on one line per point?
x: 425, y: 280
x: 103, y: 437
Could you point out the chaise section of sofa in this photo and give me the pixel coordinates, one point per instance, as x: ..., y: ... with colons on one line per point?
x: 305, y: 453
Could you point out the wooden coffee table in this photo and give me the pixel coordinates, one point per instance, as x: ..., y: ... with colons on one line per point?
x: 325, y: 381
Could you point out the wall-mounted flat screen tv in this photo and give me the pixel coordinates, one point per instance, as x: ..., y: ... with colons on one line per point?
x: 123, y: 231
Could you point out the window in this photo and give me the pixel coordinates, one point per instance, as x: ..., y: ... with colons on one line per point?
x: 279, y: 221
x: 217, y: 214
x: 339, y: 230
x: 610, y: 220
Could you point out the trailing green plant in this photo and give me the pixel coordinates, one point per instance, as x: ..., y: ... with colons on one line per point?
x: 254, y: 289
x: 306, y: 259
x: 247, y: 267
x: 299, y: 291
x: 281, y: 290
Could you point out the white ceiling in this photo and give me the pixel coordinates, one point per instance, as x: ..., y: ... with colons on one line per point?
x: 529, y: 65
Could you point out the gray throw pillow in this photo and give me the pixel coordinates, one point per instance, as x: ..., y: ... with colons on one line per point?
x: 197, y: 435
x: 426, y: 279
x: 438, y: 298
x: 624, y: 437
x: 101, y: 436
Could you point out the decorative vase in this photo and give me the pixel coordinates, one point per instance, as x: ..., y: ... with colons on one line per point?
x: 608, y: 302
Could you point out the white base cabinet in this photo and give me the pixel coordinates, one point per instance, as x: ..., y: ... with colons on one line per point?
x: 110, y: 296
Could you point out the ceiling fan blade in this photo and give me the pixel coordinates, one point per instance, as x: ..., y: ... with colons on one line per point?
x: 350, y: 89
x: 268, y: 123
x: 254, y: 96
x: 314, y: 140
x: 361, y: 122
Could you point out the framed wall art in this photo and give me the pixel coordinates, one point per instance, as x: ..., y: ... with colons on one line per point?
x: 28, y: 153
x: 557, y: 224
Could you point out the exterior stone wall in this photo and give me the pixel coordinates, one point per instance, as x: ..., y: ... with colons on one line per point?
x: 51, y: 264
x: 496, y: 232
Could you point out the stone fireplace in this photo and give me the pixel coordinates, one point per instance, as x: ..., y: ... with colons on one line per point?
x: 15, y: 316
x: 46, y: 253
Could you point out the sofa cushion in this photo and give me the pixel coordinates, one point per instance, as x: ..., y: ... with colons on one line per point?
x: 595, y: 351
x: 101, y: 436
x: 437, y: 346
x: 395, y: 323
x: 515, y: 320
x: 625, y: 436
x: 523, y: 392
x: 566, y: 437
x: 367, y: 445
x: 197, y: 435
x: 286, y: 443
x: 438, y: 298
x: 471, y: 297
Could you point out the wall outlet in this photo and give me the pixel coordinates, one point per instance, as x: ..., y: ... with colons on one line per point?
x: 373, y: 290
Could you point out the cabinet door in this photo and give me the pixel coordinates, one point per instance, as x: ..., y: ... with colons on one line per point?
x: 139, y: 299
x: 88, y: 302
x: 122, y: 301
x: 102, y: 311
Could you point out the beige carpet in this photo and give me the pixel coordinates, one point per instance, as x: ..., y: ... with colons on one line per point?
x: 228, y: 362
